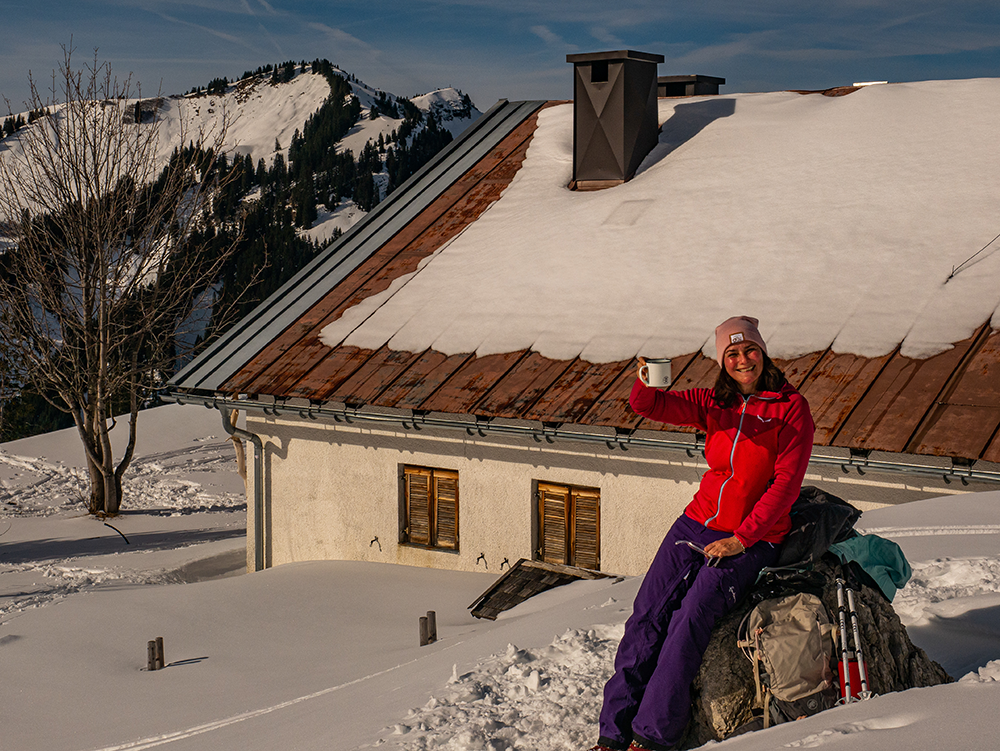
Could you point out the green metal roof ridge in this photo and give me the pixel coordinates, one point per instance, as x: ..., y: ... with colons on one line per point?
x: 216, y: 364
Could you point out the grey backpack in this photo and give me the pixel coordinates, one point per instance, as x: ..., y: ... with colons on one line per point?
x: 789, y: 640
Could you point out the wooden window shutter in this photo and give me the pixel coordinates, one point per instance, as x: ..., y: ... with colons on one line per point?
x: 418, y: 506
x: 553, y: 515
x: 446, y: 516
x: 586, y: 542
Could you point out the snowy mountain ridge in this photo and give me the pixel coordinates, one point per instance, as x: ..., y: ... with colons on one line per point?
x: 262, y: 111
x: 261, y: 116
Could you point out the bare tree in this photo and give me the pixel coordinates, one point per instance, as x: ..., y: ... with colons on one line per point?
x: 107, y: 255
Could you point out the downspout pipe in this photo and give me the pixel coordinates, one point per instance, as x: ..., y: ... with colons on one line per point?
x: 258, y: 481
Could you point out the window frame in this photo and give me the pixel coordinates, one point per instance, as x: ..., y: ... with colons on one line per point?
x: 576, y: 509
x: 429, y: 508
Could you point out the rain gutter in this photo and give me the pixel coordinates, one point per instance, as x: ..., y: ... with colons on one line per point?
x: 540, y: 433
x: 258, y: 475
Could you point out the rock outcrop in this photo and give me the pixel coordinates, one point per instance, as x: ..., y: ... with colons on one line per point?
x: 723, y: 695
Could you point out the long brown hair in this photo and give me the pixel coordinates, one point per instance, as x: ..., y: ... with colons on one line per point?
x: 727, y: 391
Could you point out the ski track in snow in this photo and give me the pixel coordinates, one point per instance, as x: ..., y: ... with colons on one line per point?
x: 832, y: 734
x: 208, y: 727
x: 62, y: 579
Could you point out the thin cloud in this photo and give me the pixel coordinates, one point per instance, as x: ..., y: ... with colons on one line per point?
x: 604, y: 36
x: 341, y: 37
x: 268, y: 8
x: 207, y: 29
x: 549, y: 37
x: 261, y: 26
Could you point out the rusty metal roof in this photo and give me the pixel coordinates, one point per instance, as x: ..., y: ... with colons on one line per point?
x: 420, y: 201
x: 947, y: 405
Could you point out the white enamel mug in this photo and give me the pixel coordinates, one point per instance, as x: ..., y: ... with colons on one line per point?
x: 656, y: 372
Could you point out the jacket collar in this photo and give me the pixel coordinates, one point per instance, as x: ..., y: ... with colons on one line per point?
x: 773, y: 396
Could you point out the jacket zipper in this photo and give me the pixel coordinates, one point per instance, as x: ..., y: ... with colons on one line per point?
x: 732, y: 467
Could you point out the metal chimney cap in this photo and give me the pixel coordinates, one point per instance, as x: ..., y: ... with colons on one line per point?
x: 587, y: 57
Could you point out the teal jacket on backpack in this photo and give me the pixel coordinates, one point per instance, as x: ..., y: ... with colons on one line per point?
x: 881, y: 559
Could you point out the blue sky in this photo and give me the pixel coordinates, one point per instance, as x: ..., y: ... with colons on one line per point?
x: 514, y: 49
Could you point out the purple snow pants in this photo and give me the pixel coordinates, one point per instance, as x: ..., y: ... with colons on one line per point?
x: 675, y: 610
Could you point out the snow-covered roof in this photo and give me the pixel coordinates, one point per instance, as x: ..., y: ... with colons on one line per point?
x: 834, y: 220
x: 858, y: 228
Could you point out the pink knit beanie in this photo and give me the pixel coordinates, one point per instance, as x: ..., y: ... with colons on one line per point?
x: 735, y: 330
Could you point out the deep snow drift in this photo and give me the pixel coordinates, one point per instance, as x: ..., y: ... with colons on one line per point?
x: 325, y: 655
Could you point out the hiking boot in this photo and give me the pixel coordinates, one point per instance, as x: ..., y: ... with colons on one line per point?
x: 641, y: 746
x: 609, y: 744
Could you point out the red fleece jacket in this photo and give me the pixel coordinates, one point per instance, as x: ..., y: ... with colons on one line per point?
x: 757, y: 453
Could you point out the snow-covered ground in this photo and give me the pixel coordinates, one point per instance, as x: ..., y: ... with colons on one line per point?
x: 325, y: 655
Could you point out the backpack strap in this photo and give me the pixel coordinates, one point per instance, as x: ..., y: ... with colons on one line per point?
x: 750, y: 646
x: 767, y: 709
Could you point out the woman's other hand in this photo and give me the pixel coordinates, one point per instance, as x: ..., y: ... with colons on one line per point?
x: 723, y: 548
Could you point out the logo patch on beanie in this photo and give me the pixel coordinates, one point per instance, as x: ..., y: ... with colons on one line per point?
x: 735, y: 338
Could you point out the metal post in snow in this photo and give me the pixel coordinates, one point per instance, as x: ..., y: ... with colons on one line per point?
x: 424, y: 633
x: 432, y: 629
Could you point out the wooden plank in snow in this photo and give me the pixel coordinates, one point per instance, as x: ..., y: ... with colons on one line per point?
x: 523, y: 580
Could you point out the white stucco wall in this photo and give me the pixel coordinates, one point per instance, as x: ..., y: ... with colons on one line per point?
x: 332, y: 491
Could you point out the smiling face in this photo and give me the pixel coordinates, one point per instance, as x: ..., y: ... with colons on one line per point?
x: 744, y: 362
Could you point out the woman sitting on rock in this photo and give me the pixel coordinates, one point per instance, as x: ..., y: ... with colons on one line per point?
x: 759, y: 438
